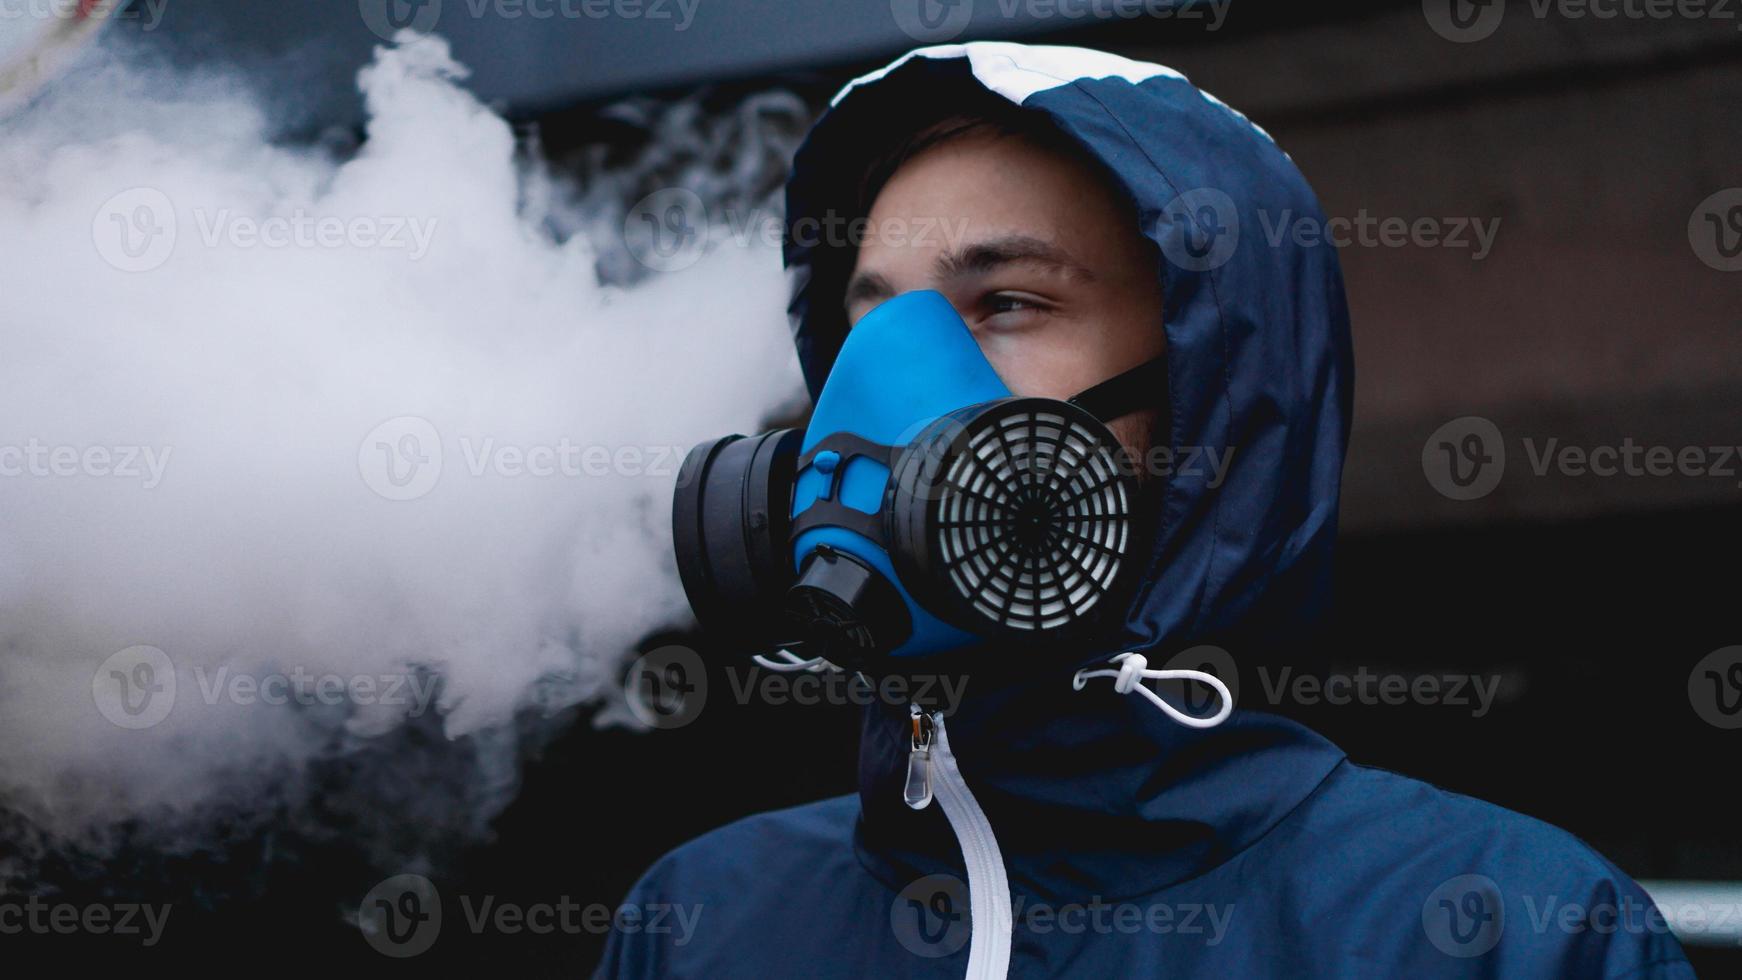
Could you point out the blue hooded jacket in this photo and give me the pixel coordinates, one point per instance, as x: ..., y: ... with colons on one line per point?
x: 1091, y: 835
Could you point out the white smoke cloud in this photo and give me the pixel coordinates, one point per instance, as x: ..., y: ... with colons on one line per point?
x: 223, y: 359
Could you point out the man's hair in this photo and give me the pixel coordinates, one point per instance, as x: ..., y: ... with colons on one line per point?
x: 980, y: 112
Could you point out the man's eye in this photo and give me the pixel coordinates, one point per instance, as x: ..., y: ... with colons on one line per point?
x: 1007, y: 303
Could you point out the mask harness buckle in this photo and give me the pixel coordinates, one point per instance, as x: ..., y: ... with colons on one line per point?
x: 1125, y: 392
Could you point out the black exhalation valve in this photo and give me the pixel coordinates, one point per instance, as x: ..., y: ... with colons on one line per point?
x: 848, y: 606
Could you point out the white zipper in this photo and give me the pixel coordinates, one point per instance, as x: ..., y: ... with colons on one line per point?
x: 932, y: 772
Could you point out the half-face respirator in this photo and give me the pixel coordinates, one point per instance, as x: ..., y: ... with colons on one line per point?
x: 924, y: 509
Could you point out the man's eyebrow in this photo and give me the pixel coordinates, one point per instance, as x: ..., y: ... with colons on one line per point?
x: 982, y: 257
x: 975, y: 259
x: 867, y: 287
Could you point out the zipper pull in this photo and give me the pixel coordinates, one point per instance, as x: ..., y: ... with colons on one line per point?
x: 917, y: 792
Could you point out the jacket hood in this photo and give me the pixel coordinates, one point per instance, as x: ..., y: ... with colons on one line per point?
x: 1259, y: 374
x: 1258, y: 347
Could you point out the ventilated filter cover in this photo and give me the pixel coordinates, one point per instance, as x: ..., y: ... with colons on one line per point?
x: 1027, y: 519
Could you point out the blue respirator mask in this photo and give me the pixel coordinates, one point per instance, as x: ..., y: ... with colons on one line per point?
x: 926, y: 509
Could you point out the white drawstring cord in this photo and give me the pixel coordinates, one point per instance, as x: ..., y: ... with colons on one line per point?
x: 790, y: 662
x: 1134, y: 669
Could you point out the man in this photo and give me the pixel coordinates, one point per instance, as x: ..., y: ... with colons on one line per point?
x: 1088, y: 213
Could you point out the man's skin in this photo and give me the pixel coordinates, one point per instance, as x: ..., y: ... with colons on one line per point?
x: 1051, y: 274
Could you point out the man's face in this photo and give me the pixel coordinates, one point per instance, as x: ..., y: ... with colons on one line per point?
x: 1039, y: 257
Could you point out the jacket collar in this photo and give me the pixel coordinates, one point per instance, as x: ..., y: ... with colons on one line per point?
x: 1091, y: 794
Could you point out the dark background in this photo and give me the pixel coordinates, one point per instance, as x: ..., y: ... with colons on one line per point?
x: 1594, y: 320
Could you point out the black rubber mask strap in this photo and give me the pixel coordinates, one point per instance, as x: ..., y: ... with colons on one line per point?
x: 1144, y: 386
